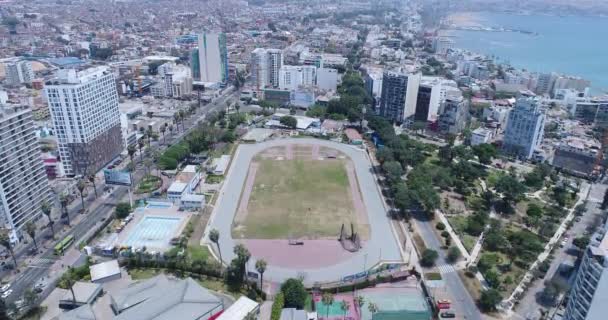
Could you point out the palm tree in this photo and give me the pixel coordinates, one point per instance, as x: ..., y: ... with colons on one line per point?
x: 162, y: 130
x: 372, y: 307
x: 171, y: 129
x: 260, y: 266
x: 46, y: 209
x: 237, y: 107
x: 243, y: 256
x: 344, y: 305
x: 214, y: 236
x: 81, y: 185
x: 92, y: 179
x: 131, y: 151
x: 327, y: 299
x: 140, y: 144
x: 360, y: 301
x: 176, y: 120
x: 63, y: 200
x: 30, y: 228
x: 149, y: 134
x: 5, y: 241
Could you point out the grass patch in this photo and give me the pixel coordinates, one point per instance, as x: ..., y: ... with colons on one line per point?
x: 300, y: 199
x: 214, y: 179
x: 198, y: 252
x: 458, y: 223
x: 432, y: 276
x: 148, y: 184
x: 143, y: 274
x: 418, y: 242
x: 468, y: 241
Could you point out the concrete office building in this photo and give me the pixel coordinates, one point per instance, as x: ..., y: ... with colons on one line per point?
x: 525, y: 128
x: 212, y: 57
x: 399, y: 95
x: 373, y: 85
x: 86, y: 119
x: 23, y: 181
x: 293, y: 77
x: 441, y: 45
x: 591, y: 111
x: 176, y: 82
x: 589, y: 294
x: 265, y: 66
x: 453, y: 116
x: 545, y: 83
x: 19, y: 72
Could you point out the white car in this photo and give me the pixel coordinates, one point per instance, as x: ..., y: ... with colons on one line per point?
x: 5, y: 287
x: 7, y: 293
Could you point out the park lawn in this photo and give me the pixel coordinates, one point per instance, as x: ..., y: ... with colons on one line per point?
x: 468, y: 241
x: 299, y: 199
x: 459, y: 224
x: 148, y: 184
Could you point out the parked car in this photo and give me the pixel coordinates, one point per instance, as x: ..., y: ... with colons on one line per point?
x: 7, y: 293
x: 5, y: 287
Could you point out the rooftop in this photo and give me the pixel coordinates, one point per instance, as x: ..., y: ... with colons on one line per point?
x: 105, y: 269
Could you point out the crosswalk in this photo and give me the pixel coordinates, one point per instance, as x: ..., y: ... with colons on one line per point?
x: 36, y: 262
x: 446, y: 268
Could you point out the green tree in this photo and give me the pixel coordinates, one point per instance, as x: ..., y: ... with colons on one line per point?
x: 140, y: 145
x: 485, y: 152
x: 277, y: 306
x: 260, y: 266
x: 511, y: 188
x: 214, y: 236
x: 289, y: 121
x: 453, y: 254
x: 30, y: 229
x: 131, y: 151
x: 122, y: 210
x: 393, y: 170
x: 327, y: 299
x: 534, y: 210
x: 63, y: 201
x: 242, y: 256
x: 6, y: 242
x: 359, y: 301
x: 46, y: 209
x: 92, y: 180
x: 489, y: 299
x: 295, y: 293
x: 428, y: 258
x: 372, y: 307
x: 581, y: 242
x: 30, y: 297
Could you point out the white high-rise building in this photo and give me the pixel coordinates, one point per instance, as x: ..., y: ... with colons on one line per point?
x: 525, y: 128
x: 19, y: 72
x: 293, y: 77
x: 23, y: 181
x: 86, y: 119
x: 213, y: 57
x: 265, y: 66
x: 327, y: 79
x: 590, y: 289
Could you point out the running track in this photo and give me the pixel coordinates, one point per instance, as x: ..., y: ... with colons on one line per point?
x: 381, y: 246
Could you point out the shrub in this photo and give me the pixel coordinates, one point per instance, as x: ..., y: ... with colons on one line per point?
x: 294, y: 293
x: 445, y: 234
x: 122, y: 210
x: 454, y: 254
x: 440, y: 226
x: 489, y: 299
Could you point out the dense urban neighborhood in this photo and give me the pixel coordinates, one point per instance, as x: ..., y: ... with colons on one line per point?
x: 292, y: 160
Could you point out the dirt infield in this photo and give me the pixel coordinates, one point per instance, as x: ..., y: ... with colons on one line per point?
x: 300, y: 192
x: 312, y: 254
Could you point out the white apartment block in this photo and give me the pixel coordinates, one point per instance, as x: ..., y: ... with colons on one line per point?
x: 589, y: 294
x: 293, y: 77
x: 23, y: 181
x: 265, y: 66
x: 525, y: 128
x: 86, y: 119
x: 176, y: 81
x: 19, y: 72
x: 327, y: 79
x: 213, y: 59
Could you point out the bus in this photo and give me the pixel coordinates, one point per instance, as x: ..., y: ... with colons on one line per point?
x: 64, y: 245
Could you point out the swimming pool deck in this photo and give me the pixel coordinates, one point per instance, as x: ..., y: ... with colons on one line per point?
x: 134, y: 228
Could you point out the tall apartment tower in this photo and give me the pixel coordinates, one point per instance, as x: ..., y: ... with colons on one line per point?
x: 275, y: 63
x: 213, y: 57
x: 265, y: 66
x: 399, y: 95
x: 293, y: 77
x: 23, y: 181
x: 525, y: 128
x: 19, y: 72
x: 589, y: 294
x: 84, y: 109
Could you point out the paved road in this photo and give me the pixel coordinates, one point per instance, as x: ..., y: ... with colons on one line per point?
x: 30, y: 275
x: 464, y: 304
x: 382, y: 244
x: 531, y: 302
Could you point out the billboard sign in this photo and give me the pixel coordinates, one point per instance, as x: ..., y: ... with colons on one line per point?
x: 117, y: 177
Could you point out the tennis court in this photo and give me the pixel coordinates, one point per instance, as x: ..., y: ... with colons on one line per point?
x: 395, y: 304
x: 334, y: 310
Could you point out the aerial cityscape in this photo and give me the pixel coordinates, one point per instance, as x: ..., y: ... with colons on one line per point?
x: 303, y: 160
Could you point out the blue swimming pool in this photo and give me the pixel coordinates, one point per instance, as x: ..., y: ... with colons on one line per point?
x: 153, y: 232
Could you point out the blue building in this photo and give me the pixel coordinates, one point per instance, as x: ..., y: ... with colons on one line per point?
x: 525, y: 128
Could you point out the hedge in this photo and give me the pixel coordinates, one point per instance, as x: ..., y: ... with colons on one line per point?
x: 277, y: 306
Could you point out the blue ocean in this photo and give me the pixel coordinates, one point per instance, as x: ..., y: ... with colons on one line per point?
x: 570, y: 45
